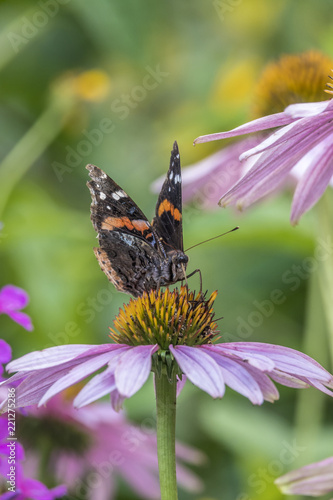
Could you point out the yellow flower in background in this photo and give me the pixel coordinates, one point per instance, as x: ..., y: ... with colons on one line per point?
x: 93, y: 85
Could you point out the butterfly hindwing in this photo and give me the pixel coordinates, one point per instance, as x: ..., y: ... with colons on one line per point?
x: 167, y: 222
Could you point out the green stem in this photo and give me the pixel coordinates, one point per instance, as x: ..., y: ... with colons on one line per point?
x: 31, y: 146
x: 166, y: 438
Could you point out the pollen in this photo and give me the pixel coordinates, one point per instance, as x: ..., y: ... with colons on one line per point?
x: 177, y: 317
x: 292, y: 79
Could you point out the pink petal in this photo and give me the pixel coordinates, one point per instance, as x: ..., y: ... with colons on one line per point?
x: 238, y: 378
x: 133, y: 369
x: 13, y: 298
x: 303, y: 109
x: 314, y: 479
x: 257, y: 360
x: 180, y: 384
x: 317, y: 165
x: 97, y: 387
x: 200, y: 369
x: 78, y: 373
x: 22, y: 319
x: 54, y: 356
x: 266, y: 122
x: 287, y: 360
x: 5, y: 352
x: 272, y: 166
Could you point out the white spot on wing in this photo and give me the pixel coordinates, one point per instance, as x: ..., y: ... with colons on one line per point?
x: 171, y: 176
x: 108, y: 207
x: 102, y: 196
x: 177, y: 179
x: 177, y: 156
x: 119, y: 194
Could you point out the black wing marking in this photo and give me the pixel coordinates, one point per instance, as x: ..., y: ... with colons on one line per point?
x: 113, y: 210
x: 168, y: 217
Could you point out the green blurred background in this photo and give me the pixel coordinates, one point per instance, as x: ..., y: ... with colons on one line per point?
x: 69, y: 71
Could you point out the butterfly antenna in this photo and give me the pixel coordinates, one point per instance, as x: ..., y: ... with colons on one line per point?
x: 210, y: 239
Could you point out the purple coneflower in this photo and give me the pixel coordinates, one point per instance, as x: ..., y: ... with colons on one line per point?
x: 172, y: 334
x: 282, y: 160
x: 304, y: 143
x: 303, y: 146
x: 150, y: 333
x: 92, y: 447
x: 12, y: 299
x: 312, y: 480
x: 14, y: 484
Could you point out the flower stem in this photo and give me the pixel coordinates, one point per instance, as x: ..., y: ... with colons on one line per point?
x: 166, y: 439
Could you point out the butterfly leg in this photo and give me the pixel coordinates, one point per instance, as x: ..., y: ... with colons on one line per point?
x: 200, y: 276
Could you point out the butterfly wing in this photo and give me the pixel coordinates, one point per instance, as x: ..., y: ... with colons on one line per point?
x: 167, y: 222
x: 113, y: 210
x: 128, y: 246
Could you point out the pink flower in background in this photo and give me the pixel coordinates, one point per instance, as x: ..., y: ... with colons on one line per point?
x: 203, y: 182
x: 104, y: 446
x: 28, y: 489
x: 303, y: 144
x: 311, y: 480
x: 5, y: 355
x: 12, y: 300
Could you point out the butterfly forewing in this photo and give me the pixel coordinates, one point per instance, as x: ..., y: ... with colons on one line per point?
x: 168, y: 216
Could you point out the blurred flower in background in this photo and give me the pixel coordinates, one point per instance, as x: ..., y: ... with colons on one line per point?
x: 311, y: 480
x: 12, y: 300
x: 293, y: 79
x: 88, y: 449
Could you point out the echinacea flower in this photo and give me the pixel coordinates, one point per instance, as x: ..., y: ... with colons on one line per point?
x: 312, y: 480
x: 280, y: 161
x: 24, y: 488
x: 177, y: 331
x: 92, y: 447
x: 303, y: 144
x: 14, y: 484
x: 12, y: 299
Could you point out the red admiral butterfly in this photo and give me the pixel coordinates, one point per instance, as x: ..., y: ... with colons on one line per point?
x: 135, y: 255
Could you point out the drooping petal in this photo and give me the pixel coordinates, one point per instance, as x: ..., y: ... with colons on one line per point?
x: 271, y: 168
x: 13, y: 298
x: 100, y: 385
x: 317, y: 166
x: 54, y: 356
x: 133, y: 369
x: 287, y: 360
x: 232, y: 350
x: 200, y: 368
x: 79, y: 372
x: 22, y: 319
x: 264, y: 123
x: 239, y: 378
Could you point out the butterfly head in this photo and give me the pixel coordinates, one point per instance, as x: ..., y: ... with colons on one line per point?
x: 178, y: 261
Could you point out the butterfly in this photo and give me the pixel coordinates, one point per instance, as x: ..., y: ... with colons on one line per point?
x: 138, y: 256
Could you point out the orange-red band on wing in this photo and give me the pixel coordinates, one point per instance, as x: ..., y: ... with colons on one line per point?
x: 166, y: 206
x: 111, y: 223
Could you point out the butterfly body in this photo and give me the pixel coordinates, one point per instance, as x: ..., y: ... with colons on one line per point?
x: 138, y: 256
